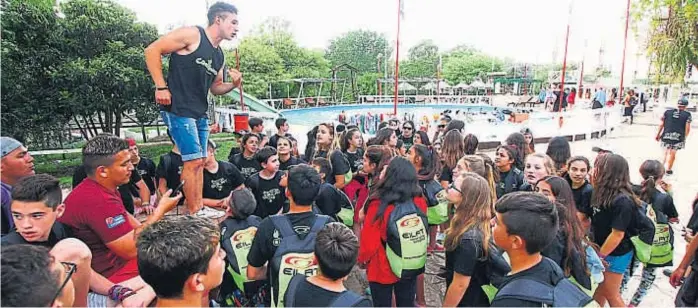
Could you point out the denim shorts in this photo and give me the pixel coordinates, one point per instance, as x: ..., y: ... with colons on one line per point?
x: 618, y: 264
x: 190, y: 135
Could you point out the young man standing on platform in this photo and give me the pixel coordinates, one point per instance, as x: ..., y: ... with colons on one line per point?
x: 196, y: 67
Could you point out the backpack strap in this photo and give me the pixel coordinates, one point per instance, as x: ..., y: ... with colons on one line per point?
x: 527, y: 289
x: 283, y: 224
x: 320, y: 222
x: 290, y: 295
x: 347, y: 299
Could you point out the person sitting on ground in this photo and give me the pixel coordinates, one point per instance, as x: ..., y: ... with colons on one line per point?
x: 220, y: 178
x: 257, y: 128
x: 145, y: 167
x: 299, y: 225
x: 182, y: 259
x: 282, y: 131
x: 96, y: 214
x: 31, y: 277
x: 16, y: 164
x: 237, y: 232
x: 336, y: 250
x: 525, y: 223
x: 246, y: 161
x: 265, y: 185
x: 37, y: 203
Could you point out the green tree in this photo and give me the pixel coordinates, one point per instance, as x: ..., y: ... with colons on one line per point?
x: 466, y: 67
x: 29, y: 50
x: 359, y: 48
x: 422, y: 60
x: 672, y: 42
x: 259, y: 64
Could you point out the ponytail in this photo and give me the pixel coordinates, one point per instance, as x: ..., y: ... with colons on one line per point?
x: 651, y: 171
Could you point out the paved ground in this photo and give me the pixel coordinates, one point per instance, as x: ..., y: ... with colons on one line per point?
x: 635, y: 142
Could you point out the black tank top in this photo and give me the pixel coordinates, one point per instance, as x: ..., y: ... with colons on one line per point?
x: 190, y: 77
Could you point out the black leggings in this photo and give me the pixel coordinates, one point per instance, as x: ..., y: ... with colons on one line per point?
x: 405, y: 292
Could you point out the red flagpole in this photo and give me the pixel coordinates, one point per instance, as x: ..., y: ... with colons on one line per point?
x: 564, y: 67
x: 237, y: 64
x: 397, y: 57
x: 625, y: 43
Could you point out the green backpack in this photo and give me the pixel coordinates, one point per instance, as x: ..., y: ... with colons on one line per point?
x: 644, y: 232
x: 406, y: 245
x: 236, y: 241
x: 437, y: 205
x: 662, y: 251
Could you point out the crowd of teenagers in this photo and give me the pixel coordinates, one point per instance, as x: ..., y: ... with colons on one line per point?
x: 275, y: 227
x: 286, y: 229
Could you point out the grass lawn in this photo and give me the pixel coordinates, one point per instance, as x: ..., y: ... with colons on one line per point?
x: 63, y: 165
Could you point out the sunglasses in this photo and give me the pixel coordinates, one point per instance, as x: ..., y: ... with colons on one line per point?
x: 441, y: 126
x: 407, y: 128
x: 453, y: 186
x: 70, y: 269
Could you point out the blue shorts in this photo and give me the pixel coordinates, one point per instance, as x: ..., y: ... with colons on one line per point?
x: 618, y: 264
x: 190, y: 135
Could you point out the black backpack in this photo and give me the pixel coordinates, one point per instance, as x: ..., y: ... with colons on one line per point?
x: 346, y: 299
x: 563, y: 294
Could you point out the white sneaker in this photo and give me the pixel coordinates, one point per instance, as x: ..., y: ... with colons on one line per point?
x: 206, y: 212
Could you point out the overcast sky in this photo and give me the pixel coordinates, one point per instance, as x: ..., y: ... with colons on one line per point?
x: 525, y: 30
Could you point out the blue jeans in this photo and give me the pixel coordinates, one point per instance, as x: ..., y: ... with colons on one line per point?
x: 190, y: 135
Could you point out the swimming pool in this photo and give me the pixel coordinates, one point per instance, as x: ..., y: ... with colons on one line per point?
x: 484, y: 121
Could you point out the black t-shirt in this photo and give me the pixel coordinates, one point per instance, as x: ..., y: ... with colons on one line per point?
x: 146, y: 169
x: 247, y: 166
x: 233, y: 151
x: 290, y: 162
x: 675, y: 124
x: 510, y: 181
x: 59, y: 232
x: 124, y: 190
x: 310, y: 295
x: 356, y: 160
x: 619, y: 216
x: 269, y: 194
x: 170, y: 169
x: 582, y: 198
x: 219, y: 185
x: 661, y: 202
x: 340, y: 166
x: 268, y: 238
x: 557, y: 251
x: 467, y: 259
x: 328, y: 200
x: 446, y: 174
x: 545, y: 271
x: 408, y: 142
x: 274, y: 139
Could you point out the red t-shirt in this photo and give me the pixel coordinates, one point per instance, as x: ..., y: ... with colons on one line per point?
x: 97, y: 216
x: 372, y: 249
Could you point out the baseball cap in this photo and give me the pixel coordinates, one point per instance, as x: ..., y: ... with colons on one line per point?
x: 242, y: 203
x: 683, y: 102
x: 8, y: 145
x: 131, y: 142
x: 603, y: 148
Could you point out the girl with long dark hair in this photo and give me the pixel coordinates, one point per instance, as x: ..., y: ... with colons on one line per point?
x: 351, y: 144
x: 568, y: 249
x: 468, y: 242
x: 519, y: 142
x: 510, y: 177
x: 374, y: 160
x: 397, y: 184
x: 578, y: 168
x: 427, y: 164
x: 614, y: 206
x: 421, y: 137
x: 559, y: 151
x: 652, y: 172
x: 471, y: 143
x: 451, y: 151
